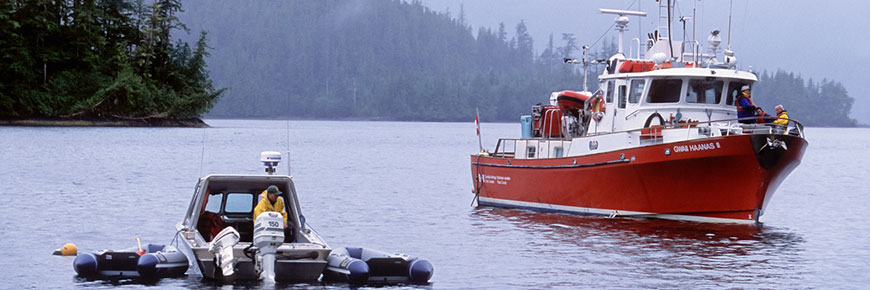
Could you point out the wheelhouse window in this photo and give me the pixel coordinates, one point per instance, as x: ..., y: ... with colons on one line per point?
x: 530, y: 152
x: 704, y: 91
x: 609, y: 96
x: 214, y: 203
x: 622, y: 94
x: 733, y: 92
x: 664, y: 91
x: 239, y: 203
x: 635, y: 91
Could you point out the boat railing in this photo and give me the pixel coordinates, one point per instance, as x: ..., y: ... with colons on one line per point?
x: 506, y: 147
x: 727, y: 127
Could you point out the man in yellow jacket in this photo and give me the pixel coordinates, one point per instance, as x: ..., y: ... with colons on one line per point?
x: 270, y: 200
x: 782, y: 116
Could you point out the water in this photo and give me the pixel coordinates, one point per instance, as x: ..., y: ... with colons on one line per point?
x: 406, y: 188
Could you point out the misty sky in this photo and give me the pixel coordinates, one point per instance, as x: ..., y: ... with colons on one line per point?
x: 817, y: 39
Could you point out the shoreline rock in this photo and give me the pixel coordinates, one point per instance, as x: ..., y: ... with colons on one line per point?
x: 104, y: 122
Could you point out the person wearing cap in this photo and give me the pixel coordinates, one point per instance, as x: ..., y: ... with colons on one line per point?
x: 270, y: 200
x: 781, y: 115
x: 745, y: 106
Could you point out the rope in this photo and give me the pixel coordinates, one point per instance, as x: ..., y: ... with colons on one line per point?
x: 477, y: 184
x: 175, y: 238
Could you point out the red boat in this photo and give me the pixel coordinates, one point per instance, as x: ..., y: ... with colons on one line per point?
x: 663, y: 142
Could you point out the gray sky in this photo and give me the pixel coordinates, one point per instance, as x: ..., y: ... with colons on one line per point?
x: 810, y: 38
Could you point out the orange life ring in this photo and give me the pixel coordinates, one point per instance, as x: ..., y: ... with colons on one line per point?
x: 598, y: 106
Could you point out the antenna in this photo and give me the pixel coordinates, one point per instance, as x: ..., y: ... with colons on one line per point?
x: 670, y: 42
x: 585, y: 65
x: 694, y: 45
x: 202, y: 154
x: 730, y: 9
x: 621, y: 21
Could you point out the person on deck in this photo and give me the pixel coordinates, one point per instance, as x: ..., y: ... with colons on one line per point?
x: 745, y: 106
x: 763, y: 117
x: 781, y: 115
x: 270, y: 200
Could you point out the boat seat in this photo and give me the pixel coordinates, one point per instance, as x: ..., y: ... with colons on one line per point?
x: 244, y: 224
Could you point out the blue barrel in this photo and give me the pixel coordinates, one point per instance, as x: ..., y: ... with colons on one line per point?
x: 526, y: 122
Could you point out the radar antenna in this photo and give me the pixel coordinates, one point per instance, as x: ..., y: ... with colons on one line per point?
x: 270, y: 159
x: 622, y: 21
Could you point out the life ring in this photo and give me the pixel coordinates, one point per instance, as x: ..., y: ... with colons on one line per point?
x: 649, y: 120
x: 598, y: 106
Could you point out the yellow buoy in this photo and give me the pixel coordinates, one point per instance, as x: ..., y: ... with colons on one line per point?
x: 68, y: 249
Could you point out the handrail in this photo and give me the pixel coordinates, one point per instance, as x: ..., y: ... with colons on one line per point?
x: 792, y: 126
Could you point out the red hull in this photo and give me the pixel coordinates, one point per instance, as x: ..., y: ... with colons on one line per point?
x: 722, y: 179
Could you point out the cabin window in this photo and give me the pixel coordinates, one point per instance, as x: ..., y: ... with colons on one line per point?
x: 622, y: 96
x: 733, y: 92
x: 557, y: 151
x: 635, y: 91
x: 530, y: 152
x: 664, y: 91
x: 214, y: 203
x: 609, y: 98
x: 239, y: 203
x: 704, y: 91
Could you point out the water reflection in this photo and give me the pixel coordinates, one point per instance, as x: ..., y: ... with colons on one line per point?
x: 653, y: 252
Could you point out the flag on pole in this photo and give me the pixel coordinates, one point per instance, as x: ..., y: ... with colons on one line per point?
x: 477, y: 123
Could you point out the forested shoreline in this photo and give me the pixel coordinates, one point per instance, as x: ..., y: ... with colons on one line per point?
x: 100, y: 61
x: 116, y: 60
x: 400, y: 60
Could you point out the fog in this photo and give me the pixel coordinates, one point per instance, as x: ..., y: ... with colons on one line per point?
x: 816, y: 39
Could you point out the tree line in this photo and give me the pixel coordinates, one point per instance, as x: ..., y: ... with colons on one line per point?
x: 328, y: 59
x: 400, y: 60
x: 382, y: 59
x: 825, y: 103
x: 100, y: 59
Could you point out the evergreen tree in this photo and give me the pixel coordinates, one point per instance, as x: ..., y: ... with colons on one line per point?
x: 99, y: 58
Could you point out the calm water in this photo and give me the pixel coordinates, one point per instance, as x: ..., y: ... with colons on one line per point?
x: 406, y: 187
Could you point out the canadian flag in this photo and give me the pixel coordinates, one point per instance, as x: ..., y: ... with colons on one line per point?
x: 477, y: 122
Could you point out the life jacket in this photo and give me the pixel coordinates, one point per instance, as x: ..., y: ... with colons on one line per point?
x: 740, y: 108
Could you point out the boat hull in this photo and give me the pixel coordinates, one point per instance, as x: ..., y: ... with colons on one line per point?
x: 718, y: 179
x: 295, y: 262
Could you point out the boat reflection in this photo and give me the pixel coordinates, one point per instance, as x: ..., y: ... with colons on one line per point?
x: 656, y: 252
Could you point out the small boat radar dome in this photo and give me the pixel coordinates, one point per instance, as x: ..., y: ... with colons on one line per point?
x: 270, y: 159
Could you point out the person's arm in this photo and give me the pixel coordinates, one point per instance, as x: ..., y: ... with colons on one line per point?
x: 744, y: 103
x: 283, y: 210
x: 259, y: 209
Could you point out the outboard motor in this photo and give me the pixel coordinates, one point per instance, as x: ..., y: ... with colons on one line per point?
x: 268, y: 236
x: 222, y: 248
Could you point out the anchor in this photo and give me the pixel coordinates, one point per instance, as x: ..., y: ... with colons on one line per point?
x: 773, y: 143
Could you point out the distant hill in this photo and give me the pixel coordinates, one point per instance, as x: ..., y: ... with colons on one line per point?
x: 399, y: 60
x: 379, y: 59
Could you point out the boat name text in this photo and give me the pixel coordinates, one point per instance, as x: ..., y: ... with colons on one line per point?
x: 494, y: 179
x: 697, y: 147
